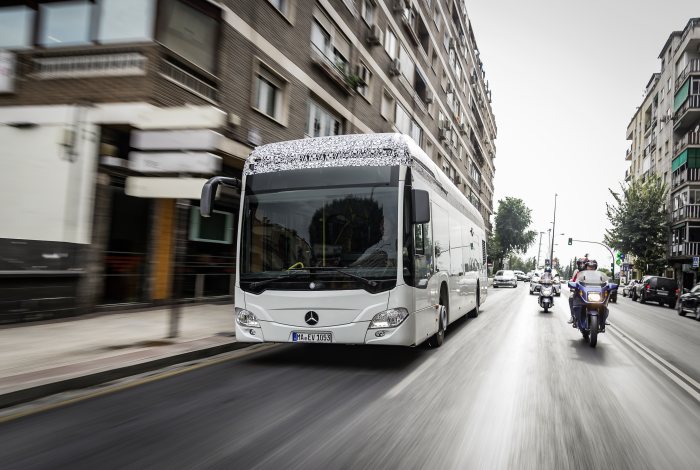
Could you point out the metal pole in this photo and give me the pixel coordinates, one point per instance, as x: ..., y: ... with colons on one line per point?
x: 181, y: 219
x: 554, y: 225
x: 538, y: 251
x: 549, y: 242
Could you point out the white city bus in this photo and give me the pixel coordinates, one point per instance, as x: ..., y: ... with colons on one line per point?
x: 355, y: 239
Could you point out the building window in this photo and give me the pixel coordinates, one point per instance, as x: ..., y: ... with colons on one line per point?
x: 270, y: 91
x: 446, y: 40
x: 281, y: 5
x: 387, y: 108
x: 321, y: 122
x: 390, y: 43
x: 126, y: 20
x: 330, y: 42
x: 406, y: 125
x: 408, y: 68
x: 16, y: 27
x: 437, y: 18
x: 190, y: 33
x: 365, y: 81
x: 65, y: 23
x: 368, y: 11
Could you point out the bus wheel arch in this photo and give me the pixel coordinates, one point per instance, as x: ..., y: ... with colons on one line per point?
x: 475, y: 312
x: 438, y: 338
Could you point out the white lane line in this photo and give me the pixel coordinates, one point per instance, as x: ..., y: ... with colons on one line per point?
x: 681, y: 379
x: 399, y: 387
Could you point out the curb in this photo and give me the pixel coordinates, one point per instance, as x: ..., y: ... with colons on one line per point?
x: 40, y: 391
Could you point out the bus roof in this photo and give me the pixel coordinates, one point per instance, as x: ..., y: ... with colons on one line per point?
x: 384, y: 149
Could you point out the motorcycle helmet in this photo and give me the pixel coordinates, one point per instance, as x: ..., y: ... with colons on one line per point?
x: 580, y: 264
x: 592, y: 263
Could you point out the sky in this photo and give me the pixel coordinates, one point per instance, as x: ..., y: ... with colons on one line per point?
x: 566, y: 78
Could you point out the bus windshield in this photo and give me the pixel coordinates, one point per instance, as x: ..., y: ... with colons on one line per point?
x: 328, y: 236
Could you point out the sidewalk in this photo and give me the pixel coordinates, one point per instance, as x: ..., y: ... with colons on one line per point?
x: 39, y: 359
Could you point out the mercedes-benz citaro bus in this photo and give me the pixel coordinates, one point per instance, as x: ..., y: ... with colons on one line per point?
x: 354, y: 239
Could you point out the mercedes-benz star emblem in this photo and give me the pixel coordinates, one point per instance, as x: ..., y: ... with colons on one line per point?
x: 311, y: 318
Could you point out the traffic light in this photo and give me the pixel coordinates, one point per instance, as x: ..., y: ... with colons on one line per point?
x: 571, y: 241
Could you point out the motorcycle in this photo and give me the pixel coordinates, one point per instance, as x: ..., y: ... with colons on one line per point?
x: 594, y: 293
x: 546, y: 296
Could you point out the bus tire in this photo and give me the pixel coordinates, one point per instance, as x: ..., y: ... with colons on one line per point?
x: 438, y: 338
x: 475, y: 313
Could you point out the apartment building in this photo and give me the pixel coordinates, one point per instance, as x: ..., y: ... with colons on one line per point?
x: 113, y: 110
x: 665, y: 140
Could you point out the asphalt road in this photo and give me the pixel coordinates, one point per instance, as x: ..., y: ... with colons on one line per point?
x: 513, y: 388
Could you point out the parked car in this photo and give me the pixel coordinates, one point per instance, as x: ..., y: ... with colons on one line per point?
x: 663, y: 290
x: 629, y: 287
x: 505, y: 278
x: 521, y: 276
x: 690, y: 302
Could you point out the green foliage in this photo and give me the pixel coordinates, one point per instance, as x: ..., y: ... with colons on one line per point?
x: 639, y: 223
x: 511, y: 234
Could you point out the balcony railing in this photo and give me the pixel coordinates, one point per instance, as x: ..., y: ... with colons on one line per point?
x: 95, y: 65
x: 685, y: 175
x: 692, y: 67
x: 334, y: 70
x: 628, y: 154
x: 188, y: 81
x: 686, y: 249
x: 690, y: 138
x: 690, y: 211
x: 693, y: 102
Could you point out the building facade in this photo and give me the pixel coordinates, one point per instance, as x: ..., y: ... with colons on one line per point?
x: 113, y: 112
x: 665, y: 140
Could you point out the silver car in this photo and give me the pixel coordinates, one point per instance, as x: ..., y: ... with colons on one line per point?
x: 505, y: 278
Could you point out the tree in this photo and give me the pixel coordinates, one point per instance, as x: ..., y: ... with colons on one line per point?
x: 510, y: 234
x: 639, y: 222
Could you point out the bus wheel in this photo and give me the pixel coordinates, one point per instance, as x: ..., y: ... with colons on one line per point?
x: 475, y: 313
x: 438, y: 338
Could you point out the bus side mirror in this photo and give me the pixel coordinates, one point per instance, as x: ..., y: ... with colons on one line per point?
x: 421, y: 206
x: 209, y: 192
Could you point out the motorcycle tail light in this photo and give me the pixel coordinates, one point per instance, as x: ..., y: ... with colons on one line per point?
x: 648, y: 287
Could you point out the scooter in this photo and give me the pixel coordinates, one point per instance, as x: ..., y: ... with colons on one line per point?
x: 546, y: 296
x: 592, y: 312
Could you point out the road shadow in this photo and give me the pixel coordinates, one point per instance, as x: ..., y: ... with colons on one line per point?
x: 583, y: 352
x: 341, y: 356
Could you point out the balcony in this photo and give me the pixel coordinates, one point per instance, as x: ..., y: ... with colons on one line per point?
x: 628, y: 175
x: 685, y: 175
x: 690, y: 211
x: 188, y: 81
x: 685, y: 249
x: 688, y: 114
x: 90, y: 65
x: 628, y: 154
x: 693, y: 67
x: 690, y: 139
x: 335, y: 71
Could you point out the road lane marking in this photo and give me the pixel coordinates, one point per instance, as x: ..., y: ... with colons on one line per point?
x: 399, y: 387
x: 27, y: 409
x: 669, y: 370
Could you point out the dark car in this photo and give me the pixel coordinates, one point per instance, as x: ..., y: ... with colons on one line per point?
x: 690, y: 302
x: 627, y: 289
x: 663, y: 290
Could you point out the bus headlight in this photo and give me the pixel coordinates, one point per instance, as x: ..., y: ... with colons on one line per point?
x: 389, y: 318
x: 246, y: 318
x: 594, y: 297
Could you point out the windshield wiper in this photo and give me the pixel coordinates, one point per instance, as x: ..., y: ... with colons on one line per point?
x: 365, y: 281
x: 290, y: 274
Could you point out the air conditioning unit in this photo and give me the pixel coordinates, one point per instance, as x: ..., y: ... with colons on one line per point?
x: 374, y: 37
x: 666, y: 118
x: 450, y: 88
x: 395, y: 67
x: 429, y: 97
x: 463, y: 129
x: 451, y: 44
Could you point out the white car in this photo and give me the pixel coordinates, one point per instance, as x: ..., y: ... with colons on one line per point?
x: 505, y: 278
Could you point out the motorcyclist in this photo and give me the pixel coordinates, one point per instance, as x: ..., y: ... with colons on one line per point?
x: 546, y: 277
x: 580, y: 266
x: 577, y: 302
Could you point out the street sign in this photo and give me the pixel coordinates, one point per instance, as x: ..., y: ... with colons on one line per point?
x: 696, y: 261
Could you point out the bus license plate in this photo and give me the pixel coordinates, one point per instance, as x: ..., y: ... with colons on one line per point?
x: 303, y: 337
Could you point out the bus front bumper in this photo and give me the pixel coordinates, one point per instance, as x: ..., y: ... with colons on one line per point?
x: 351, y: 333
